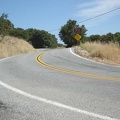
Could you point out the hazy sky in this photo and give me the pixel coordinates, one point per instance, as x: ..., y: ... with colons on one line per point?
x: 52, y: 14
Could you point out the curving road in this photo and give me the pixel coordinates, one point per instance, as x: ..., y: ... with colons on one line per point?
x: 57, y: 85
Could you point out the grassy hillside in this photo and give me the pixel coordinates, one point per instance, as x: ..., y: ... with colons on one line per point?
x: 106, y: 53
x: 11, y: 46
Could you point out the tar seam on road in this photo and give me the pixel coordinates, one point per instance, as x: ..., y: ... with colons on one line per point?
x: 54, y: 103
x: 38, y: 59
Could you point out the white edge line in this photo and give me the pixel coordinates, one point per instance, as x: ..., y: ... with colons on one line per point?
x: 11, y: 57
x: 55, y: 103
x: 90, y: 60
x: 5, y: 58
x: 15, y: 56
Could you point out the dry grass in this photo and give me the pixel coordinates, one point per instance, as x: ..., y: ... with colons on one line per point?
x: 107, y: 53
x: 11, y: 46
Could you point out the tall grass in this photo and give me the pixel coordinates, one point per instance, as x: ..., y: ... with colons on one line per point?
x: 11, y: 46
x: 109, y: 51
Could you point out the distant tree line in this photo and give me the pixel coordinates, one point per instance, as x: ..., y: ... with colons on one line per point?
x: 38, y: 38
x: 42, y: 39
x: 107, y: 38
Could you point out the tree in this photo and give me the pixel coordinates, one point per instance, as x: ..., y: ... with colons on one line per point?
x: 109, y: 37
x: 4, y: 16
x: 83, y: 33
x: 30, y: 32
x: 67, y: 35
x: 53, y: 41
x: 36, y: 39
x: 20, y: 33
x: 117, y: 37
x: 5, y: 25
x: 42, y: 39
x: 94, y: 38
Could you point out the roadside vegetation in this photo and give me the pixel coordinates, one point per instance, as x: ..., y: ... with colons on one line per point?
x: 67, y: 34
x: 102, y: 52
x: 15, y: 41
x: 104, y: 48
x: 37, y: 38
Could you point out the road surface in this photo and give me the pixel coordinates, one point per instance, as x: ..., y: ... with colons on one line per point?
x: 57, y: 85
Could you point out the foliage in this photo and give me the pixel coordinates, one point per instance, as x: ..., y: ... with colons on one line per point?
x: 117, y: 37
x: 67, y: 35
x: 94, y: 38
x: 41, y: 39
x: 5, y: 25
x: 114, y: 38
x: 83, y: 33
x: 60, y: 45
x: 38, y: 38
x: 20, y: 33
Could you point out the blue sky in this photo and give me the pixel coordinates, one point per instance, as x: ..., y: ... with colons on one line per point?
x: 52, y: 14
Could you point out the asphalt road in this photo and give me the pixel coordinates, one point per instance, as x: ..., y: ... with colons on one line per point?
x: 58, y: 86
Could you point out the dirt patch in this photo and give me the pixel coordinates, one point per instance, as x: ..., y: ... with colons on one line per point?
x: 11, y: 46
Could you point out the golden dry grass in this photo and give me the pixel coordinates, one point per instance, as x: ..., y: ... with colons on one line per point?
x: 11, y: 46
x: 107, y: 53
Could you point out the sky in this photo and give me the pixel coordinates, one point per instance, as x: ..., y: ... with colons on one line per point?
x: 50, y: 15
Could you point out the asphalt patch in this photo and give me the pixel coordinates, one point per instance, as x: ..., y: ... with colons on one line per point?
x: 2, y: 105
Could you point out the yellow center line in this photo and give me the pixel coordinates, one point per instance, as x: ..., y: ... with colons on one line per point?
x: 38, y: 59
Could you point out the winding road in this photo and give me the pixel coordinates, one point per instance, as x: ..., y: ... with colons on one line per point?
x: 58, y: 85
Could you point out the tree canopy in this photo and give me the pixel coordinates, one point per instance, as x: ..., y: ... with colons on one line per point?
x: 20, y: 33
x: 41, y: 38
x: 5, y: 25
x: 67, y: 34
x: 109, y: 37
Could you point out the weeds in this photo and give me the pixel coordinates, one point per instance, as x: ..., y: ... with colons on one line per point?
x: 104, y: 52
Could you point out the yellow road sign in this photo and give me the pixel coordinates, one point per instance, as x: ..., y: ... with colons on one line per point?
x: 77, y: 37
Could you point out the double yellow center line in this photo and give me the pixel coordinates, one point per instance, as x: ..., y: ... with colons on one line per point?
x: 38, y: 59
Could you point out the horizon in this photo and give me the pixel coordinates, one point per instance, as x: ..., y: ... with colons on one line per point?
x: 51, y: 15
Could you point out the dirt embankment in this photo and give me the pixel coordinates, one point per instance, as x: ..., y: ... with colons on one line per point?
x: 11, y: 46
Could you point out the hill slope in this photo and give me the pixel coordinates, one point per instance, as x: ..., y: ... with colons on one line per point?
x: 11, y: 46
